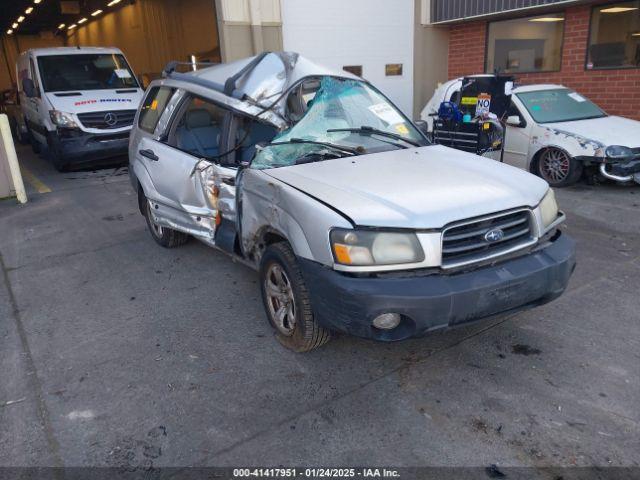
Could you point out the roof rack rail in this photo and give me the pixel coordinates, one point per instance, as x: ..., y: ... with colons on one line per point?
x: 171, y: 66
x: 229, y: 87
x: 170, y: 72
x: 230, y: 84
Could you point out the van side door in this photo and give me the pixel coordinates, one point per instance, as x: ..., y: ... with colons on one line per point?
x: 32, y: 106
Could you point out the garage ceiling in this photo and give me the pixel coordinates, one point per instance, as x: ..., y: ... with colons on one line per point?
x: 47, y: 15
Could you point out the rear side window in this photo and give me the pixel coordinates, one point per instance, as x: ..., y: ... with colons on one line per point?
x: 153, y: 106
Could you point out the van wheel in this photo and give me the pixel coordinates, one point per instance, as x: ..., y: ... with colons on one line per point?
x: 286, y: 300
x: 558, y: 168
x: 165, y: 237
x: 35, y: 145
x: 55, y: 156
x: 22, y: 138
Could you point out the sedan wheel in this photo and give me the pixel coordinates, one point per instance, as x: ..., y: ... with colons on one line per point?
x: 558, y: 168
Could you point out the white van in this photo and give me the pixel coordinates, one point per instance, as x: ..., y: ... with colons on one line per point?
x: 78, y: 102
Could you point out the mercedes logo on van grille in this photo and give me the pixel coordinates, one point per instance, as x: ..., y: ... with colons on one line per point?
x: 493, y: 236
x: 110, y: 119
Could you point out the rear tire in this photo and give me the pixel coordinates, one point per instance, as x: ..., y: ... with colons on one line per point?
x: 163, y: 236
x: 287, y: 302
x: 558, y: 168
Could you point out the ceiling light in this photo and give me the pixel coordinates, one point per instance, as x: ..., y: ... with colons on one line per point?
x: 37, y: 1
x: 618, y: 9
x: 82, y: 20
x: 547, y: 19
x: 9, y: 32
x: 15, y: 25
x: 61, y: 26
x: 96, y: 13
x: 28, y: 10
x: 71, y: 27
x: 112, y: 3
x: 20, y: 19
x: 637, y: 34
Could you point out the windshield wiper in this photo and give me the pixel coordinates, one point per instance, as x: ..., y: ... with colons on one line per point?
x: 365, y: 130
x: 342, y: 148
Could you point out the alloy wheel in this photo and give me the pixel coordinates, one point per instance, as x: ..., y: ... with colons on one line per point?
x: 280, y: 299
x: 555, y: 165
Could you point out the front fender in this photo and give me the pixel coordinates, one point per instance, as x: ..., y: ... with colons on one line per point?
x: 574, y: 145
x: 270, y: 205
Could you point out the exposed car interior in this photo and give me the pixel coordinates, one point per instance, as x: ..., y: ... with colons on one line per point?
x: 198, y: 133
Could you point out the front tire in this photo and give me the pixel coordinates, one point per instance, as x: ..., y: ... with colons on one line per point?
x: 558, y: 168
x: 163, y: 236
x: 55, y: 155
x: 23, y: 138
x: 287, y: 302
x: 35, y: 144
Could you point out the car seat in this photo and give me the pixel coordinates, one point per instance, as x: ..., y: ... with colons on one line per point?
x: 258, y: 133
x: 199, y: 134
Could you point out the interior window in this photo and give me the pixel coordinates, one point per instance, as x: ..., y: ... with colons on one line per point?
x: 615, y: 36
x: 198, y: 130
x: 531, y: 44
x: 248, y: 134
x: 154, y: 104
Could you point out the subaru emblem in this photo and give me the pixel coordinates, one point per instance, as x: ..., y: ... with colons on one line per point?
x: 493, y: 236
x: 110, y: 119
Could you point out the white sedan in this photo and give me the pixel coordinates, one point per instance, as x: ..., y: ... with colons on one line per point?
x: 557, y: 133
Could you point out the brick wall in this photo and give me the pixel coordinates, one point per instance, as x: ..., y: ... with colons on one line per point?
x: 617, y: 91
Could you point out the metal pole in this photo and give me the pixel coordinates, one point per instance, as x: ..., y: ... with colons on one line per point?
x: 12, y: 158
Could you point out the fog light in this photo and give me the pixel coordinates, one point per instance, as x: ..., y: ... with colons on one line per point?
x: 387, y: 321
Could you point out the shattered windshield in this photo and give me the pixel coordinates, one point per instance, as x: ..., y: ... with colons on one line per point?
x: 336, y: 118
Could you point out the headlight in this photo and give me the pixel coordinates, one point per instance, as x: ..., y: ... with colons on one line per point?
x: 549, y: 208
x: 618, y: 152
x: 364, y: 247
x: 61, y: 119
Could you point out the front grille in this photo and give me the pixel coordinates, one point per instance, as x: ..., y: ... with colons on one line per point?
x: 466, y: 243
x: 107, y: 120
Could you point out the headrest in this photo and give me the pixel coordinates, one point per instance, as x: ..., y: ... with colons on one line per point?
x: 198, y: 118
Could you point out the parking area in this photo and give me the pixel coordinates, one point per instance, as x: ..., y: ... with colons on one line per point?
x: 116, y: 352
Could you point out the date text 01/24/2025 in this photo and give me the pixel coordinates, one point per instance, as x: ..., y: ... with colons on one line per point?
x: 315, y: 473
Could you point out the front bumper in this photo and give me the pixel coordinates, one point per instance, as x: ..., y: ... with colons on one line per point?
x: 77, y: 146
x: 349, y: 304
x: 622, y: 171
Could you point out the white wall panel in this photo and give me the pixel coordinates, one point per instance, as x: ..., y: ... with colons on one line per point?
x: 370, y: 33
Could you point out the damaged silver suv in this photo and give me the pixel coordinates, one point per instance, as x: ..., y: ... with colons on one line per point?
x: 354, y: 221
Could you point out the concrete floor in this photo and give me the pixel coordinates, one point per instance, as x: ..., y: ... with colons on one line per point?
x: 121, y: 353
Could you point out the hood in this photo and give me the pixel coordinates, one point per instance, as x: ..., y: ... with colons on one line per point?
x: 419, y: 188
x: 96, y: 100
x: 606, y: 130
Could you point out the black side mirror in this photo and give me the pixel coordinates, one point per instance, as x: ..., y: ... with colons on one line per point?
x: 422, y: 126
x: 29, y: 88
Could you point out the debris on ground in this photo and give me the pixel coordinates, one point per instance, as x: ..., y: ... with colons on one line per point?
x: 12, y: 402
